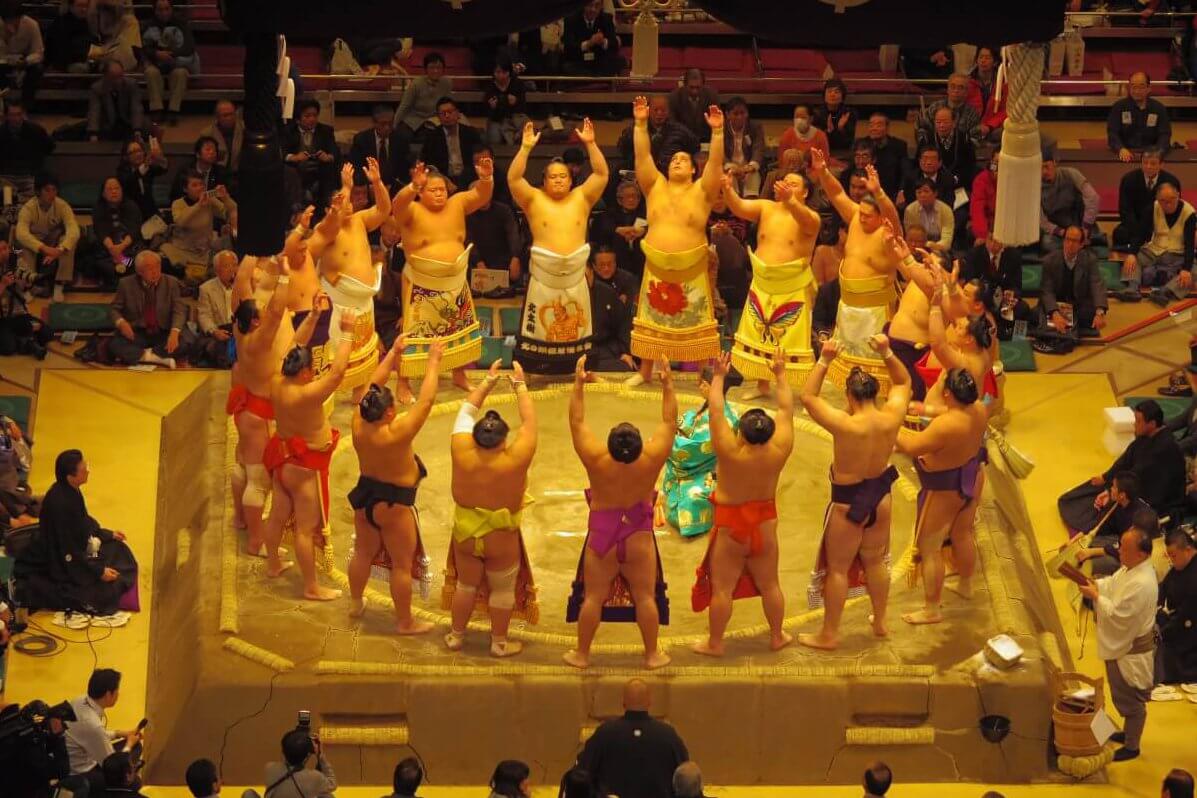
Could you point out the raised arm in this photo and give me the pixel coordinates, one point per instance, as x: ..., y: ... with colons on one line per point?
x: 712, y: 174
x: 899, y: 377
x: 326, y: 232
x: 661, y: 443
x: 326, y: 385
x: 480, y: 194
x: 748, y: 210
x: 783, y: 429
x: 276, y: 308
x: 824, y: 414
x: 410, y: 422
x: 525, y: 441
x: 929, y: 440
x: 521, y: 190
x: 947, y: 356
x: 807, y: 217
x: 888, y: 210
x: 374, y: 217
x: 722, y: 436
x: 388, y: 363
x: 401, y: 204
x: 307, y: 327
x: 586, y: 444
x: 596, y: 184
x: 647, y: 173
x: 843, y: 205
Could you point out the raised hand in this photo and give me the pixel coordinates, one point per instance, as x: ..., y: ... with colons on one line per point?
x: 714, y: 116
x: 586, y: 133
x: 492, y: 373
x: 435, y: 353
x: 872, y: 179
x: 419, y: 175
x: 782, y: 191
x: 518, y: 371
x: 725, y: 182
x: 348, y: 320
x: 373, y: 173
x: 880, y: 344
x: 531, y: 136
x: 663, y: 370
x: 895, y: 241
x: 722, y: 364
x: 778, y: 364
x: 347, y: 176
x: 831, y: 348
x: 399, y: 345
x: 580, y: 374
x: 321, y: 303
x: 818, y: 161
x: 485, y: 168
x: 640, y: 109
x: 305, y: 218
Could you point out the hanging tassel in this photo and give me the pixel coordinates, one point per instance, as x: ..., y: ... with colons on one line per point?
x: 644, y: 45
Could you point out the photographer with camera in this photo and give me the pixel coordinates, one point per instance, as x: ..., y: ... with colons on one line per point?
x: 292, y: 778
x: 33, y: 752
x: 88, y: 739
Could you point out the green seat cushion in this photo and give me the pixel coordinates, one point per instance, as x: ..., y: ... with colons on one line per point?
x: 1173, y: 406
x: 79, y: 316
x: 1017, y: 355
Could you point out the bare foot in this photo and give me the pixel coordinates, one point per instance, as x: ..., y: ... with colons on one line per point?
x: 454, y: 640
x: 635, y: 380
x: 705, y: 648
x: 322, y: 593
x: 763, y: 389
x: 505, y: 648
x: 357, y: 607
x: 821, y: 641
x: 260, y: 550
x: 879, y: 627
x: 274, y: 571
x: 403, y: 394
x: 780, y: 642
x: 577, y: 659
x: 462, y: 381
x: 413, y: 627
x: 922, y: 617
x: 963, y: 587
x: 238, y: 522
x: 657, y: 659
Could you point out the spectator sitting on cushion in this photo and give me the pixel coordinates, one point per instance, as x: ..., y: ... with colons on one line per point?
x: 310, y: 148
x: 982, y: 95
x: 1066, y: 199
x: 22, y: 51
x: 932, y: 215
x: 228, y: 131
x: 625, y: 284
x: 1176, y: 618
x: 496, y: 239
x: 451, y: 146
x: 137, y: 172
x: 610, y: 313
x: 862, y: 158
x: 193, y: 235
x: 982, y: 201
x: 1138, y: 122
x: 743, y: 148
x: 956, y: 151
x: 150, y: 316
x: 384, y: 144
x: 215, y: 312
x: 20, y: 332
x: 48, y: 233
x: 18, y: 504
x: 169, y: 54
x: 620, y: 227
x: 1168, y: 255
x: 1072, y: 292
x: 418, y: 106
x: 803, y: 135
x: 206, y: 164
x: 114, y: 111
x: 507, y: 109
x: 930, y: 167
x: 1136, y: 201
x: 117, y: 225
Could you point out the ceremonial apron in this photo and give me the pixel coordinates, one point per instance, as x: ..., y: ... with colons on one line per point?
x: 675, y: 316
x: 556, y: 327
x: 352, y: 294
x: 777, y: 313
x: 866, y: 304
x: 437, y: 305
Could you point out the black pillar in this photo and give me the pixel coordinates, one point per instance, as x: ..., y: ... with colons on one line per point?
x: 263, y: 213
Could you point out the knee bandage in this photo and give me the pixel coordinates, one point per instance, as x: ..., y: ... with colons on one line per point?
x: 257, y: 486
x: 502, y: 587
x: 237, y: 478
x: 464, y: 588
x: 467, y: 417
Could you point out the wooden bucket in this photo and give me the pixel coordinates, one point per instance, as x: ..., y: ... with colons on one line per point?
x: 1072, y: 717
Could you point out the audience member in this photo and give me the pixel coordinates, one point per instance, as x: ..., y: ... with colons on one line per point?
x: 89, y: 741
x: 1167, y: 257
x: 206, y: 163
x: 1124, y: 607
x: 507, y: 108
x: 24, y: 145
x: 1126, y: 509
x: 214, y: 310
x: 450, y: 147
x: 612, y: 293
x: 49, y: 234
x: 137, y: 172
x: 877, y: 779
x: 1153, y: 457
x: 862, y: 159
x: 310, y: 148
x: 997, y: 265
x: 932, y: 215
x: 117, y: 225
x: 292, y: 778
x: 495, y: 239
x: 203, y: 779
x: 502, y: 192
x: 666, y: 136
x: 728, y: 235
x: 792, y: 161
x: 1177, y: 784
x: 1136, y: 202
x: 834, y: 117
x: 388, y: 302
x: 968, y: 119
x: 929, y: 167
x: 889, y: 153
x: 687, y: 781
x: 982, y: 201
x: 576, y: 783
x: 743, y: 148
x: 418, y: 106
x: 114, y: 111
x: 1176, y: 615
x: 591, y: 44
x: 982, y: 94
x: 923, y: 63
x: 120, y: 776
x: 169, y: 53
x: 956, y: 150
x: 21, y: 333
x: 621, y: 226
x: 150, y: 316
x: 511, y: 780
x: 384, y: 144
x: 228, y: 131
x: 1137, y: 121
x: 407, y: 778
x: 22, y: 54
x: 803, y: 136
x: 193, y: 233
x: 1066, y: 199
x: 634, y: 756
x: 116, y: 31
x: 1072, y: 292
x: 69, y: 38
x: 689, y: 102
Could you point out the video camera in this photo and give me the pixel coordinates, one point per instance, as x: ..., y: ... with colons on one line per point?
x: 30, y: 726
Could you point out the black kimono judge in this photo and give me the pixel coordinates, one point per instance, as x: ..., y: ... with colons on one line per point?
x: 72, y: 563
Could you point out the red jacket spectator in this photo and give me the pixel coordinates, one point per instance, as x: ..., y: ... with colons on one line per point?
x: 993, y: 113
x: 983, y: 203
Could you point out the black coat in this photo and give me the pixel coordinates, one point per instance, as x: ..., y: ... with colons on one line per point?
x: 890, y: 161
x: 322, y: 139
x: 1006, y: 274
x: 633, y: 756
x: 576, y: 32
x: 1136, y: 205
x: 945, y: 185
x: 1088, y: 286
x: 435, y: 152
x: 24, y: 151
x: 139, y: 188
x: 395, y: 171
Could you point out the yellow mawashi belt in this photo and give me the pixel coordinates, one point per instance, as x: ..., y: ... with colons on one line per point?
x: 477, y: 523
x: 680, y: 266
x: 867, y: 292
x: 781, y: 278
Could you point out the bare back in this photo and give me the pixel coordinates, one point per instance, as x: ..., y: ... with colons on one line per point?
x: 492, y: 479
x: 436, y: 235
x: 298, y: 412
x: 749, y: 472
x: 779, y: 237
x: 962, y: 430
x: 862, y: 446
x: 677, y: 216
x: 384, y: 453
x: 616, y: 485
x: 866, y: 254
x: 558, y: 225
